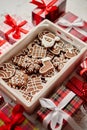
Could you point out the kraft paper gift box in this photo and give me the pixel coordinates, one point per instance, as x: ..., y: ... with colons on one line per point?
x: 73, y: 25
x: 4, y: 46
x: 14, y: 28
x: 47, y: 9
x: 12, y: 118
x: 59, y: 101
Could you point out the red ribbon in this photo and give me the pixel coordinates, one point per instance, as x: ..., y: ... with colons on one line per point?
x: 16, y: 29
x: 84, y: 67
x: 16, y: 119
x: 2, y: 42
x: 84, y: 39
x: 85, y: 90
x: 47, y: 8
x: 79, y: 87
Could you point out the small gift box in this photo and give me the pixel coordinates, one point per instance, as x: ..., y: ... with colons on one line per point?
x: 79, y: 87
x: 74, y: 25
x: 82, y: 69
x: 60, y: 107
x: 47, y: 9
x: 4, y: 46
x: 13, y: 119
x: 14, y: 28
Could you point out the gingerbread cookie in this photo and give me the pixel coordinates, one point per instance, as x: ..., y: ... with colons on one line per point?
x: 37, y: 51
x: 59, y: 62
x: 18, y: 80
x: 48, y: 39
x: 47, y: 67
x: 34, y: 85
x: 19, y: 60
x: 29, y: 64
x: 7, y: 70
x: 70, y: 54
x: 70, y: 50
x: 57, y: 48
x: 40, y: 35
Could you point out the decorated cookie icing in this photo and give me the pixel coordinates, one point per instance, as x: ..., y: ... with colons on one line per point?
x: 18, y: 80
x: 70, y: 50
x: 47, y: 67
x: 57, y: 48
x: 7, y: 70
x: 29, y: 64
x: 37, y: 51
x: 48, y: 39
x: 34, y: 85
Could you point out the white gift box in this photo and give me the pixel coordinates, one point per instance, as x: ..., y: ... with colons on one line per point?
x: 9, y: 28
x: 4, y: 47
x: 52, y: 82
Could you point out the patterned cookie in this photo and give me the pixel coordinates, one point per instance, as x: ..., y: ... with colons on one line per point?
x: 48, y: 39
x: 70, y: 54
x: 59, y: 62
x: 18, y: 80
x: 57, y: 48
x: 7, y: 70
x: 40, y: 35
x: 70, y: 50
x: 46, y: 68
x: 37, y: 51
x: 34, y: 85
x: 19, y: 60
x: 31, y: 65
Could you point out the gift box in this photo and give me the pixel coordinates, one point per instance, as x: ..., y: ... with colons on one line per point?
x: 82, y: 69
x: 74, y: 25
x: 4, y: 46
x: 78, y: 86
x: 14, y: 28
x: 47, y: 9
x: 63, y: 101
x: 13, y: 119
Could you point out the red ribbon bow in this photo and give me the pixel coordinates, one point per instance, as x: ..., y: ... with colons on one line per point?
x: 15, y: 28
x: 42, y: 5
x: 84, y: 67
x: 79, y: 87
x: 85, y: 90
x: 16, y: 119
x: 2, y: 42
